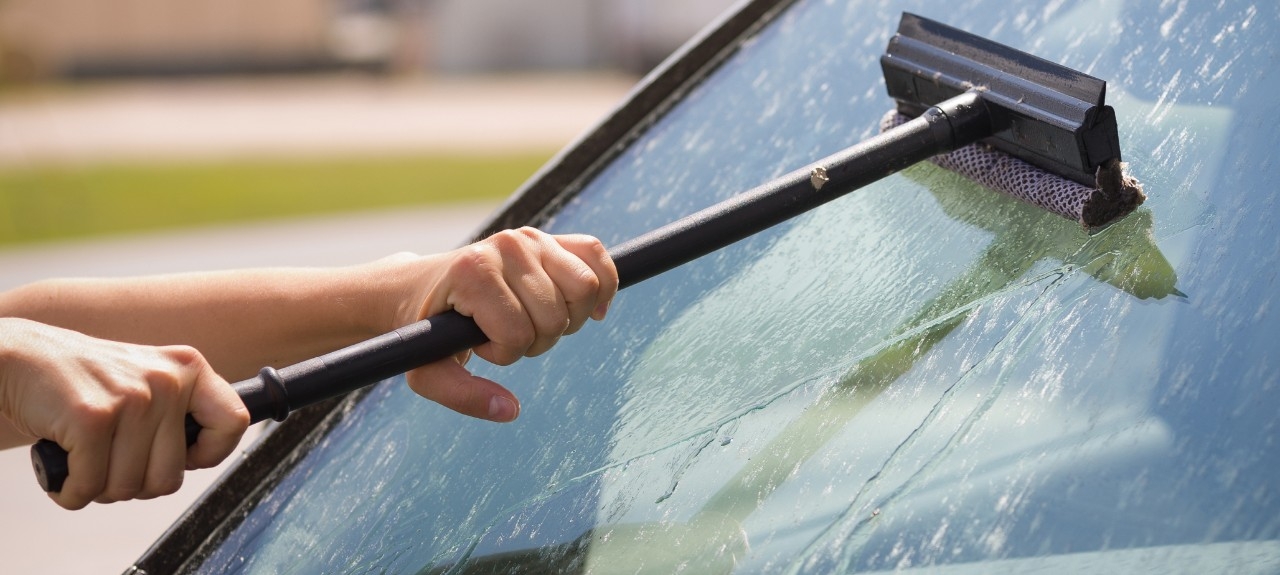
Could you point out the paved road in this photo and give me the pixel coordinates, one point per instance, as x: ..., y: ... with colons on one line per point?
x: 213, y: 120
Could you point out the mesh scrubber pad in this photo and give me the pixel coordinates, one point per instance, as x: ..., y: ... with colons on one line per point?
x: 1115, y: 196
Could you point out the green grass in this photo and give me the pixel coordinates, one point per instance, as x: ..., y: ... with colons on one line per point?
x: 61, y: 202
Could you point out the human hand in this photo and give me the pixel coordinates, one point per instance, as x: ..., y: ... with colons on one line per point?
x: 525, y: 289
x: 117, y: 409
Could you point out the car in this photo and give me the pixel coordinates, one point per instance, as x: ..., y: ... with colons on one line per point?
x: 922, y: 376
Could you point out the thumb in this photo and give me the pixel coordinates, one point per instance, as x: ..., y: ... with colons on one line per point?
x: 222, y: 416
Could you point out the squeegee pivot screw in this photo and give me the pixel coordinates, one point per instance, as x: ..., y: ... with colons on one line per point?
x: 818, y: 177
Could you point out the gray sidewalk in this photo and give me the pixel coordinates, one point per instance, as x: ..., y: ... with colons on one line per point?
x: 327, y: 116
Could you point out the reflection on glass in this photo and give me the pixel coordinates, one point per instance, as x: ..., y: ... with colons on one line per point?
x: 921, y: 374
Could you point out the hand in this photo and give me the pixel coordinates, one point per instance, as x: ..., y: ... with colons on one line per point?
x: 525, y: 289
x: 118, y: 409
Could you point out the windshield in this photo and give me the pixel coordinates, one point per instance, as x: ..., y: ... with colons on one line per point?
x: 921, y: 374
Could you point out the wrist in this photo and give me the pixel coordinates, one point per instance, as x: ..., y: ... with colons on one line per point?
x: 10, y: 362
x: 396, y: 287
x: 9, y: 357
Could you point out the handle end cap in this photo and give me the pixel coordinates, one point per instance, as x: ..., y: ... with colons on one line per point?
x: 49, y: 461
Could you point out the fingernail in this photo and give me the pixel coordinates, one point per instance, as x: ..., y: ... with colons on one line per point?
x: 501, y: 409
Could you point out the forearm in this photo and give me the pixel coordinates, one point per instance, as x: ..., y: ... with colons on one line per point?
x: 239, y: 320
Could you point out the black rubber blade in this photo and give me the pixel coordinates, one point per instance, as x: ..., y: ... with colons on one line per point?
x: 1046, y: 114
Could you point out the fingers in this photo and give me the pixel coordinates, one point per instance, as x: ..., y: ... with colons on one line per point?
x: 115, y: 444
x: 448, y: 383
x: 526, y: 289
x: 88, y: 455
x: 526, y: 313
x: 146, y: 459
x: 591, y: 252
x: 119, y: 411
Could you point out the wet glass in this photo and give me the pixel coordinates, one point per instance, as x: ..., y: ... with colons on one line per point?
x: 922, y: 373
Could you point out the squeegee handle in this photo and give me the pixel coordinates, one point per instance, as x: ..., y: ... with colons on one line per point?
x: 952, y: 124
x: 274, y: 393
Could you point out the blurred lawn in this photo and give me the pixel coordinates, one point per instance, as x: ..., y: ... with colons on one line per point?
x: 61, y: 202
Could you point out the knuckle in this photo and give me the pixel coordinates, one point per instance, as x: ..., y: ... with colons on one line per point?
x: 71, y: 503
x: 161, y: 383
x: 506, y: 355
x: 169, y: 378
x: 509, y: 240
x: 507, y: 343
x: 184, y: 355
x: 204, y: 458
x: 594, y: 246
x: 519, y: 336
x: 520, y: 241
x: 542, y: 347
x: 73, y: 498
x: 550, y: 329
x: 586, y: 286
x: 167, y: 485
x: 121, y: 492
x: 532, y: 233
x: 98, y: 416
x: 584, y: 243
x: 240, y: 417
x: 602, y: 254
x: 505, y: 359
x: 473, y: 261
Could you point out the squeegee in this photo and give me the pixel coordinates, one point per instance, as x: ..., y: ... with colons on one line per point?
x: 1006, y: 119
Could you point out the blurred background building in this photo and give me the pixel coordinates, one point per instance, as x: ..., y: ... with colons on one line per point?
x: 48, y: 39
